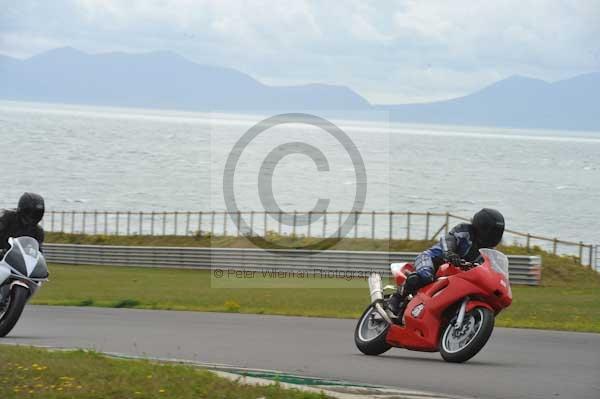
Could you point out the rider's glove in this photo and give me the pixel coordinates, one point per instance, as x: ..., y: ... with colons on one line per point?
x: 412, y: 284
x: 452, y: 258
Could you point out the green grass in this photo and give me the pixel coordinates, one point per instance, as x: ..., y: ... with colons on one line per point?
x: 184, y: 289
x: 568, y: 298
x: 36, y: 373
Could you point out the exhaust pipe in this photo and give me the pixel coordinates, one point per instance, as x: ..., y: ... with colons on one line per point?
x: 377, y: 296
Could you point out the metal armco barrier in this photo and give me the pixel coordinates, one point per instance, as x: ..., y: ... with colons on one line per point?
x: 523, y: 269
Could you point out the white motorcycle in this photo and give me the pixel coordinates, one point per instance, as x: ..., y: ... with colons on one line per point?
x: 22, y: 271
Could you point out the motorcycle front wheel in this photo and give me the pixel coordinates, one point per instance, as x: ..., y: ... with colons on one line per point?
x: 370, y: 333
x: 16, y: 303
x: 458, y: 345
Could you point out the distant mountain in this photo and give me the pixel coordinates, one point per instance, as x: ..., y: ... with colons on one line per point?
x: 167, y: 80
x: 516, y: 102
x: 156, y: 80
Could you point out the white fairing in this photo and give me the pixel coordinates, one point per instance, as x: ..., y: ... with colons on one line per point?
x: 30, y: 249
x: 4, y: 272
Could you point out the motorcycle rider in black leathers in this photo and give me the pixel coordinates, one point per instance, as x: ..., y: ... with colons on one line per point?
x: 23, y: 221
x: 461, y: 243
x: 20, y: 222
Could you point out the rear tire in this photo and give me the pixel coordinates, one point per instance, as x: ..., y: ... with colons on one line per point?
x: 370, y: 333
x: 481, y: 325
x: 17, y: 301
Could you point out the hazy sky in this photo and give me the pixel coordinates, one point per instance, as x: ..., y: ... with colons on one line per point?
x: 388, y: 51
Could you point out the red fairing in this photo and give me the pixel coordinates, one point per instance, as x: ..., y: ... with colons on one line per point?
x: 424, y: 316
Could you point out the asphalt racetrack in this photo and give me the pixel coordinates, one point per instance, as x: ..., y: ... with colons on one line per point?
x: 516, y: 363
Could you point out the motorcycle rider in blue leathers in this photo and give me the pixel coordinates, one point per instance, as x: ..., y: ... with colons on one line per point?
x: 461, y: 243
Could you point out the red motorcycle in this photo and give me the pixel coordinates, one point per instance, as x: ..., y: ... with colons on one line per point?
x: 453, y: 315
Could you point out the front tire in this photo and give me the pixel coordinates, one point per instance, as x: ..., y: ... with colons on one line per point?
x: 17, y: 300
x: 459, y: 345
x: 370, y: 333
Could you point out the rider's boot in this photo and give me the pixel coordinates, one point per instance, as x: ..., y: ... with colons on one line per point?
x: 398, y: 300
x: 395, y: 300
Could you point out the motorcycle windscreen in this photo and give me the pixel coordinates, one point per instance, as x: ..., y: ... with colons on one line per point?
x: 25, y: 257
x: 497, y: 259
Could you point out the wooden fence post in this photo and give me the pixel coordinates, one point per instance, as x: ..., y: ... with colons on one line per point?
x: 105, y: 223
x: 187, y: 223
x: 294, y: 223
x: 152, y: 223
x: 427, y: 216
x: 372, y: 225
x: 95, y: 222
x: 265, y: 226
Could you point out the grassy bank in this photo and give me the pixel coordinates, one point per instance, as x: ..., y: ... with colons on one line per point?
x: 35, y: 373
x: 291, y: 242
x: 568, y: 298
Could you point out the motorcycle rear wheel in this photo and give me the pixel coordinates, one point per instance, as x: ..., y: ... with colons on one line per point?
x: 370, y: 333
x: 459, y: 345
x: 17, y: 300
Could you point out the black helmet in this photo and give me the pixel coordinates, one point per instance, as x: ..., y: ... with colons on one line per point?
x: 489, y: 227
x: 31, y: 208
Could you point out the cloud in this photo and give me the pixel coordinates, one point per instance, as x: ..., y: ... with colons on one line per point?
x: 386, y: 50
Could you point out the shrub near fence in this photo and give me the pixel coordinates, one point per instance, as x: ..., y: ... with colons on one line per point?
x: 385, y: 225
